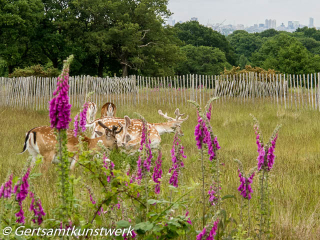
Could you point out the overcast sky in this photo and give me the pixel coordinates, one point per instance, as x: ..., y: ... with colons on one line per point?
x: 247, y: 12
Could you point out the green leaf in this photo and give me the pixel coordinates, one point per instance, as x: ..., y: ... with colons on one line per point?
x: 228, y: 196
x: 123, y: 224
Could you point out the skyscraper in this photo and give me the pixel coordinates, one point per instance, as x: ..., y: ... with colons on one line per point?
x: 311, y: 23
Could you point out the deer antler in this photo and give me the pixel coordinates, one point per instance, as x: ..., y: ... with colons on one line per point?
x: 179, y: 115
x: 165, y: 116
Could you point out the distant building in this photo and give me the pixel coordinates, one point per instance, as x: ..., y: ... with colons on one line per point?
x: 290, y: 25
x: 194, y: 19
x: 171, y: 21
x: 261, y: 25
x: 240, y: 27
x: 311, y: 25
x: 296, y: 24
x: 270, y: 23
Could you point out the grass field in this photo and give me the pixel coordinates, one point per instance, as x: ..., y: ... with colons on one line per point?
x: 295, y: 176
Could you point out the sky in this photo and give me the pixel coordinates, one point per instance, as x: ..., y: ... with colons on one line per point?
x: 247, y: 12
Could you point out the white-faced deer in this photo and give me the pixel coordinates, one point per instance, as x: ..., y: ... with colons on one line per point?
x: 108, y: 110
x: 92, y: 111
x: 43, y: 141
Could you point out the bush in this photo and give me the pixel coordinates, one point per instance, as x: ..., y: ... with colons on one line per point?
x: 36, y: 70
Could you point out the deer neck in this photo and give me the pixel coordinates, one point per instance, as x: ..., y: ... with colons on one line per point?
x: 166, y: 127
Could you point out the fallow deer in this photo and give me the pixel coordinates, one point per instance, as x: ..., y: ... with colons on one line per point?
x: 43, y: 141
x: 92, y: 111
x: 131, y: 136
x: 108, y: 110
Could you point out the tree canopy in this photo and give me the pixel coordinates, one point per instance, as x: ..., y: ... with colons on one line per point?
x: 202, y: 60
x: 287, y: 55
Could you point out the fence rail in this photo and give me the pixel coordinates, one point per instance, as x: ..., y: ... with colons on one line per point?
x: 291, y: 91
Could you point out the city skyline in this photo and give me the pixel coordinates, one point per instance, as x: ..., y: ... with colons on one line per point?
x: 244, y: 12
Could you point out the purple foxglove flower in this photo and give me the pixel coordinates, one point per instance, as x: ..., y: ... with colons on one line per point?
x: 24, y: 188
x: 174, y: 179
x: 157, y: 173
x: 271, y: 156
x: 201, y: 235
x: 189, y: 220
x: 260, y: 158
x: 110, y: 166
x: 209, y: 112
x: 1, y: 190
x: 20, y: 215
x: 212, y: 195
x: 76, y: 125
x: 213, y: 231
x: 83, y: 117
x: 245, y: 186
x: 7, y: 189
x: 59, y: 106
x: 37, y: 210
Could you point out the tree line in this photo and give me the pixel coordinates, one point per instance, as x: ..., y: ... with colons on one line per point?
x: 123, y: 37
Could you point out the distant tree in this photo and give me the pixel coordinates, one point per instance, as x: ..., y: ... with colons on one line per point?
x: 269, y: 33
x: 244, y: 43
x: 198, y: 35
x: 18, y: 22
x: 202, y: 60
x: 287, y: 55
x: 308, y: 32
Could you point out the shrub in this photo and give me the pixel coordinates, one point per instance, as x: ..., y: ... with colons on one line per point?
x: 36, y: 70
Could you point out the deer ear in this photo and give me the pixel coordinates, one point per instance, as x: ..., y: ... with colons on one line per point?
x: 128, y: 138
x: 127, y: 121
x: 99, y: 133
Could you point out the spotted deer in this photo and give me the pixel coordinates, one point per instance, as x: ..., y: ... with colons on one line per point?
x: 108, y: 110
x: 43, y: 141
x: 131, y: 135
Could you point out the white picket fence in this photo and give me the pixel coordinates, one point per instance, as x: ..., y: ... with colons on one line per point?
x: 290, y: 91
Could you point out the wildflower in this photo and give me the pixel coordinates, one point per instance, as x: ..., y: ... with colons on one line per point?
x: 157, y: 173
x: 7, y: 188
x: 260, y: 158
x: 59, y: 106
x: 209, y: 112
x: 20, y: 215
x: 212, y: 195
x: 271, y: 156
x: 24, y: 187
x: 177, y: 153
x: 189, y: 220
x: 245, y: 186
x: 83, y: 117
x: 37, y: 210
x: 174, y: 179
x: 143, y: 135
x: 201, y: 234
x: 213, y: 231
x: 133, y: 235
x: 111, y: 167
x: 76, y: 125
x: 145, y: 167
x: 1, y: 190
x: 21, y: 195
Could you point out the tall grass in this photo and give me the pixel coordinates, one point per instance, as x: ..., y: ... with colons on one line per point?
x: 294, y: 180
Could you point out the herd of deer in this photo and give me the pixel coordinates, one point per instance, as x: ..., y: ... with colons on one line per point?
x: 111, y: 131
